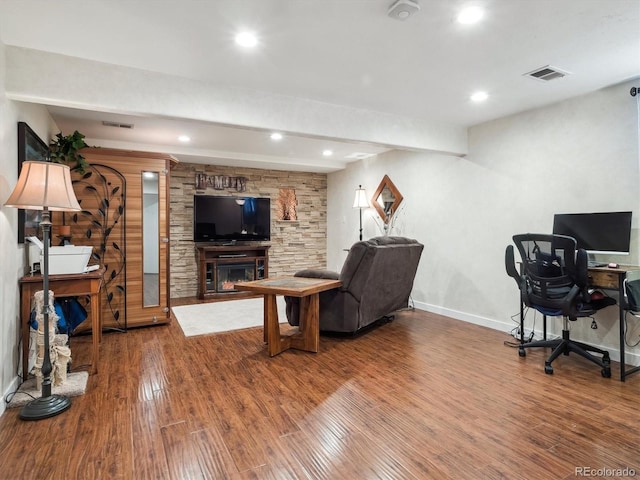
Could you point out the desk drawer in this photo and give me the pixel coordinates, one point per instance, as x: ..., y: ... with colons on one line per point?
x: 604, y: 279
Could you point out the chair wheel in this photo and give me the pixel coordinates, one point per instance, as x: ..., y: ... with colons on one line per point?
x: 522, y: 352
x: 606, y: 360
x: 606, y: 372
x: 548, y: 369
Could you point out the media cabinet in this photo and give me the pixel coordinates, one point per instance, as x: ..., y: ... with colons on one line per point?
x: 222, y: 266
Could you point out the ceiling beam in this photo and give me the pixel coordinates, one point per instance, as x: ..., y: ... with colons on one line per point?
x: 40, y: 77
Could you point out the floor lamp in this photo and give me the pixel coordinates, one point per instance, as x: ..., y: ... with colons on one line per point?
x: 44, y: 186
x: 360, y: 202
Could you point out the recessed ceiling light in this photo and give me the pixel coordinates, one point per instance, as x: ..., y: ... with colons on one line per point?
x: 327, y: 153
x: 246, y: 39
x: 470, y: 15
x: 479, y: 96
x: 184, y: 138
x: 276, y: 136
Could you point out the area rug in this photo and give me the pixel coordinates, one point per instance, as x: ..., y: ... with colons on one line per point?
x: 76, y: 384
x: 216, y: 317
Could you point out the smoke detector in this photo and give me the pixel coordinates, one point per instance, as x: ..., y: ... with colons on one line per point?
x: 403, y: 9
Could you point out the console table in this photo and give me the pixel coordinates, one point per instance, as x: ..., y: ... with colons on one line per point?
x: 221, y: 267
x: 71, y: 285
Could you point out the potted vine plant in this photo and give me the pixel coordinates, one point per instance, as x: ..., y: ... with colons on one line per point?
x: 66, y: 149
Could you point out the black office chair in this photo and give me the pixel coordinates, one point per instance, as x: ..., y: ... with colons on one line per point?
x: 553, y: 280
x: 632, y: 292
x: 631, y: 304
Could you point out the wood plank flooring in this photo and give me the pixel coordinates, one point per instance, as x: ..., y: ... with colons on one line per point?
x: 422, y: 397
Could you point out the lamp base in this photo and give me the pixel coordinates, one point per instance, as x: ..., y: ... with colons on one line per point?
x: 45, y: 407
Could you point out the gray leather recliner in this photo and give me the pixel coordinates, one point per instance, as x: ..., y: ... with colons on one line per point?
x: 377, y: 279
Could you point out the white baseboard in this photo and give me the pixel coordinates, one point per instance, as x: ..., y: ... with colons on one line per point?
x: 13, y: 386
x: 632, y: 359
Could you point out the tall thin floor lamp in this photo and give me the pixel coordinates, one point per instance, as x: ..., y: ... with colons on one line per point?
x: 360, y: 201
x: 44, y: 186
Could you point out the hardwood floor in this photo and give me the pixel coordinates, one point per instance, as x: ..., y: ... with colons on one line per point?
x: 422, y: 397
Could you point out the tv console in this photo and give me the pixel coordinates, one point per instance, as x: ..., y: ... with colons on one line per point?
x: 220, y: 267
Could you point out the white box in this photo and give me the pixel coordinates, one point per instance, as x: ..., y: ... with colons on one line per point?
x: 67, y: 259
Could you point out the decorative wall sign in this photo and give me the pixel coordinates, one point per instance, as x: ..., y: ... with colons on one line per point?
x: 220, y: 182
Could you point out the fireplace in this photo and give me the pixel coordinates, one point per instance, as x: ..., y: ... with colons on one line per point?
x: 229, y: 274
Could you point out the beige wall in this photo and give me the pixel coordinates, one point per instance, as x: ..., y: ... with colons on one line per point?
x: 294, y: 244
x: 580, y: 155
x: 14, y: 259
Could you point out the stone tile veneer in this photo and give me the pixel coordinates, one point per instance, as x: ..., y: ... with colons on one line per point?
x: 294, y: 244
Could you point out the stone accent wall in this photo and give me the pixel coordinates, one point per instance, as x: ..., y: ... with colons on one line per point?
x: 294, y: 244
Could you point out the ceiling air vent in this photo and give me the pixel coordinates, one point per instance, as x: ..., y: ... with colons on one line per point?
x: 547, y: 73
x: 117, y: 124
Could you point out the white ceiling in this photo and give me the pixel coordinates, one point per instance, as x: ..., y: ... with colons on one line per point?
x: 212, y: 144
x: 345, y: 52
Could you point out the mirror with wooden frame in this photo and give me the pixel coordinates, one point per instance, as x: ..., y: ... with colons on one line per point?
x: 386, y: 199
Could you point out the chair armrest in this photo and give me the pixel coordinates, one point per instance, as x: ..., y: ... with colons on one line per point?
x: 570, y: 299
x: 510, y: 265
x: 293, y: 303
x: 317, y: 273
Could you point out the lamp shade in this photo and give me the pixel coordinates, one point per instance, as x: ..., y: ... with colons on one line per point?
x: 44, y: 184
x: 360, y: 200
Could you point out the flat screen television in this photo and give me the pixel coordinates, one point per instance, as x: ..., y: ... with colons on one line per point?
x: 605, y: 232
x: 229, y: 219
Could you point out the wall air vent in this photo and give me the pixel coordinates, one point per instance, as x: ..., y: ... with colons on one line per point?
x: 359, y: 155
x: 547, y: 73
x: 117, y: 124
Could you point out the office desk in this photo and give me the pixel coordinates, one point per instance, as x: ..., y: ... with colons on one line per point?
x: 606, y: 278
x: 72, y: 285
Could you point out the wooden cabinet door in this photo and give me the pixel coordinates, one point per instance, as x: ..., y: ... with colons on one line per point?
x: 116, y: 218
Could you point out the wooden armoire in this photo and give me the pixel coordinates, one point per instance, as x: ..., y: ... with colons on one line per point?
x: 124, y: 196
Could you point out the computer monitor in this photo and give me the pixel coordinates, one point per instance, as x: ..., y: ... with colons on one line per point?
x: 604, y: 232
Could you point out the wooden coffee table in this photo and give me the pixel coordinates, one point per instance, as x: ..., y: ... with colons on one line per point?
x: 308, y: 289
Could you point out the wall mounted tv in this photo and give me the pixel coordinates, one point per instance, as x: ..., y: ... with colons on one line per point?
x: 605, y: 232
x: 230, y: 219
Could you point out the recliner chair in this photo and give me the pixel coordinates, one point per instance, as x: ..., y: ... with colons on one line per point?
x: 554, y: 280
x: 377, y: 279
